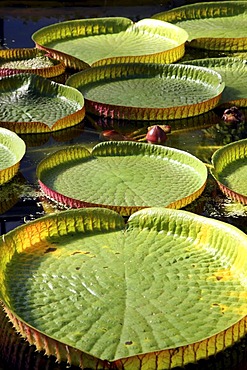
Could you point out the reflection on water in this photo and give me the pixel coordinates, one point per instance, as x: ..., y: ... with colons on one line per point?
x: 21, y: 201
x: 18, y: 24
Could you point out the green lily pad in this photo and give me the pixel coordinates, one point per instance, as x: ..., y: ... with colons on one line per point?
x: 143, y: 91
x: 12, y: 150
x: 234, y: 74
x: 96, y: 41
x: 230, y: 170
x: 31, y: 60
x: 167, y: 288
x: 124, y: 176
x: 216, y: 25
x: 31, y: 104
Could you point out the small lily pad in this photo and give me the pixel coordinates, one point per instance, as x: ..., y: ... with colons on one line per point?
x: 85, y: 42
x: 31, y: 60
x: 230, y: 170
x: 216, y: 25
x: 31, y: 104
x: 122, y: 175
x: 141, y: 91
x: 168, y: 288
x: 12, y: 150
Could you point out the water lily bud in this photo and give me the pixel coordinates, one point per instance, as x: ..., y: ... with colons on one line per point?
x: 166, y: 128
x: 156, y: 135
x: 232, y: 115
x: 112, y: 135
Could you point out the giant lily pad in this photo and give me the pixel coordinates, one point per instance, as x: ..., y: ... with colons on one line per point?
x: 30, y: 60
x: 143, y: 91
x: 96, y: 41
x: 217, y: 25
x: 166, y: 289
x: 124, y: 176
x: 12, y: 150
x: 30, y: 103
x: 234, y: 74
x: 230, y: 170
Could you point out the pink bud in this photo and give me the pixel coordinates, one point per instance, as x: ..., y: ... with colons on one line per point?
x: 156, y: 135
x: 233, y: 115
x: 112, y: 135
x: 166, y: 128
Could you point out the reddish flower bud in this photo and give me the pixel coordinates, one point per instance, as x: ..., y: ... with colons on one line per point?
x: 233, y: 115
x: 112, y: 135
x: 156, y: 135
x: 166, y: 128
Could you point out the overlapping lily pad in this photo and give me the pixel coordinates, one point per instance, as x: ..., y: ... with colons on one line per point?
x: 143, y: 91
x: 96, y: 41
x: 12, y: 150
x: 124, y: 176
x: 230, y: 170
x: 167, y: 288
x: 234, y: 74
x: 31, y: 104
x: 29, y: 60
x: 216, y: 25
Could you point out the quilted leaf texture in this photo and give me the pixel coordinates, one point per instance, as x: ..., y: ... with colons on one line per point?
x: 167, y: 288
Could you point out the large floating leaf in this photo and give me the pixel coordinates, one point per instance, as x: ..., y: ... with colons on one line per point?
x: 217, y: 25
x: 124, y: 176
x: 143, y: 91
x: 234, y: 74
x: 83, y: 42
x: 12, y: 150
x: 166, y: 289
x: 31, y: 60
x: 230, y: 170
x: 30, y: 103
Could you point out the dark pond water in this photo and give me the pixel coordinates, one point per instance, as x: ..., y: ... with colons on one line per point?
x: 21, y: 200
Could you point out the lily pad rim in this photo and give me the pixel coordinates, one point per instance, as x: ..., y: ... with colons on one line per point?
x: 32, y: 50
x: 105, y: 19
x: 226, y: 189
x: 200, y: 5
x: 218, y: 152
x: 227, y: 59
x: 19, y: 141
